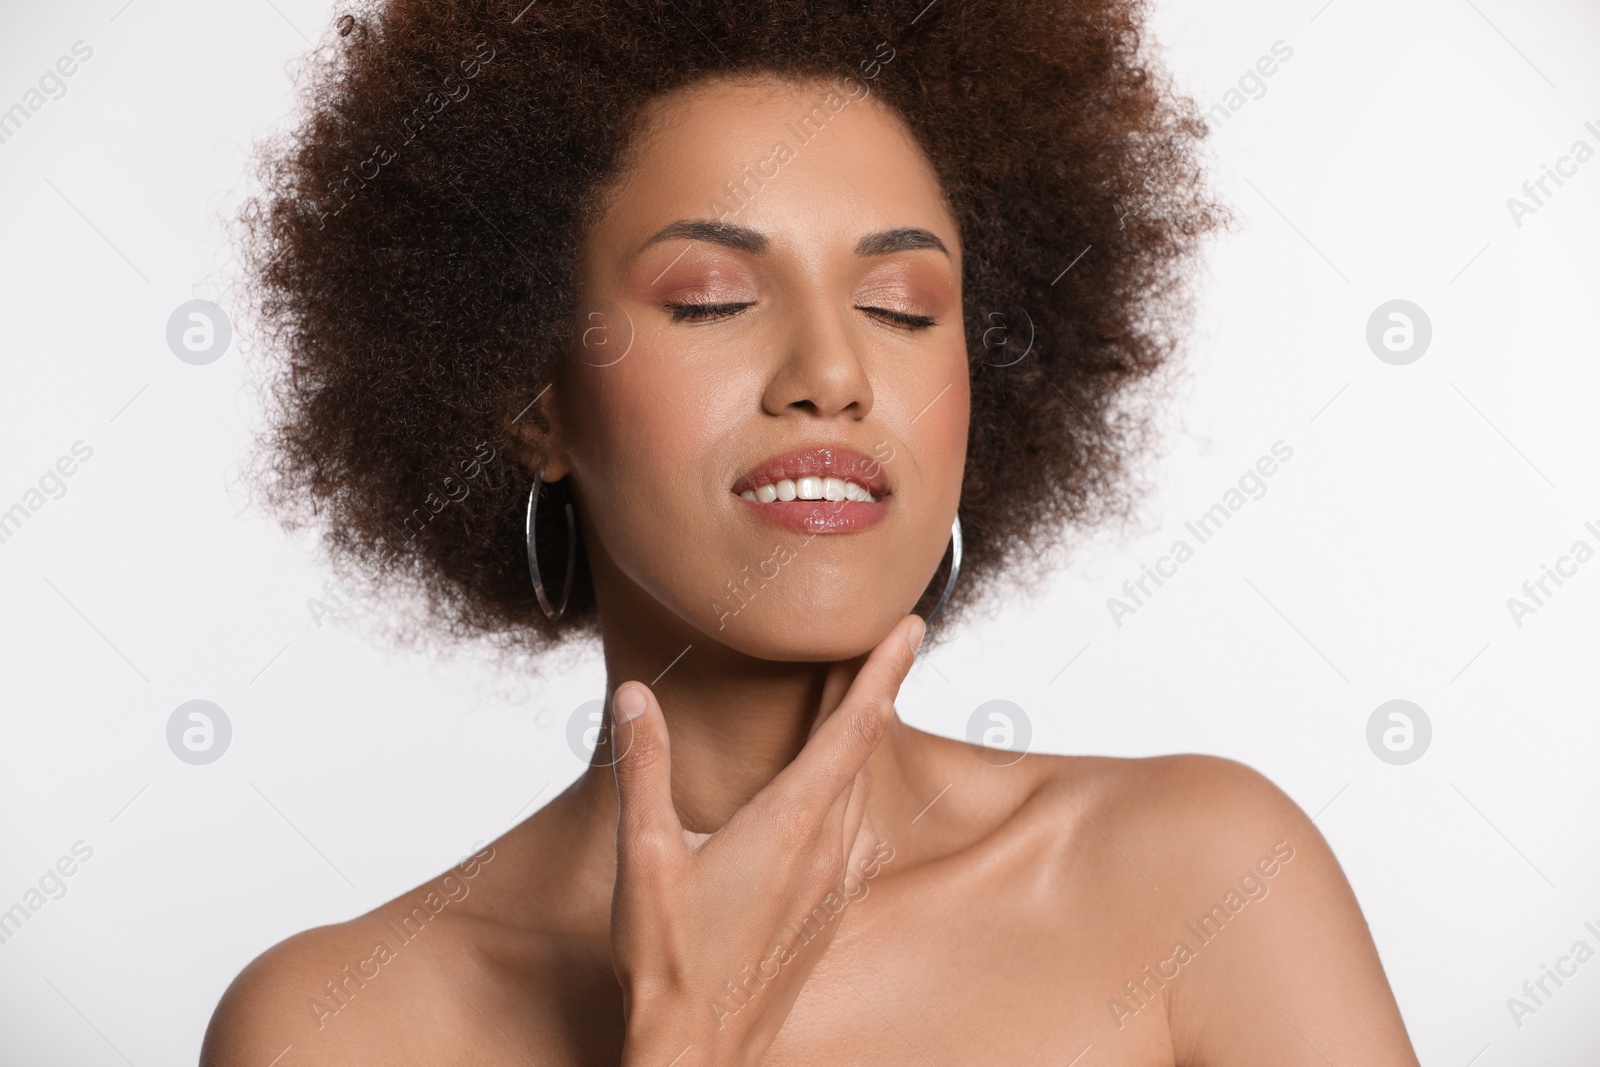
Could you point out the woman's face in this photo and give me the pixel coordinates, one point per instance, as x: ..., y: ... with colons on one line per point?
x: 812, y: 344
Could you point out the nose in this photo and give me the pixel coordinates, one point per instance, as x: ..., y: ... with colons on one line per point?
x: 821, y: 371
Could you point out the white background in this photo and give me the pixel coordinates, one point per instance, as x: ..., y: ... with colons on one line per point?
x: 1376, y: 165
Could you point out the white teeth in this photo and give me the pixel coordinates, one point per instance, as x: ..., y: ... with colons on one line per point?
x: 809, y: 488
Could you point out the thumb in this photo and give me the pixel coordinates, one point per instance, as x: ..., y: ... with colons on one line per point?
x: 642, y: 759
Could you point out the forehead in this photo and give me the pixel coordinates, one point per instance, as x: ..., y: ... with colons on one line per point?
x: 812, y: 163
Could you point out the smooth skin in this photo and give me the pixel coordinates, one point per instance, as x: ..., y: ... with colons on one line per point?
x: 764, y: 864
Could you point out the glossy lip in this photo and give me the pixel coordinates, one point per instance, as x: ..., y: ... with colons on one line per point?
x: 826, y: 461
x: 818, y: 516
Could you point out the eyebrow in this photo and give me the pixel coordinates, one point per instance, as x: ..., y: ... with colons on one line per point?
x: 745, y: 239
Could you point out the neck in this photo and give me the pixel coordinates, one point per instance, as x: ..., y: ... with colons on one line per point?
x: 733, y: 721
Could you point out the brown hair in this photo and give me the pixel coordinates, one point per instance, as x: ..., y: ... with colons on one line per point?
x: 411, y: 257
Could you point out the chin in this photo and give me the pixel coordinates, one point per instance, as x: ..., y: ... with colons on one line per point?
x: 806, y: 629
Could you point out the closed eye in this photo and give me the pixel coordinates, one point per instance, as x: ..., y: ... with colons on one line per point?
x: 680, y: 312
x: 915, y: 322
x: 700, y: 312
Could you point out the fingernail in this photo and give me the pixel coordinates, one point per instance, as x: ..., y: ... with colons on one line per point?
x: 920, y: 628
x: 629, y: 703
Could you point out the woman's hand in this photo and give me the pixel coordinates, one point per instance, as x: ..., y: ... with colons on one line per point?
x: 696, y: 917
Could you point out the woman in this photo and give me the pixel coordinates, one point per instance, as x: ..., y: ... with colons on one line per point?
x: 753, y: 335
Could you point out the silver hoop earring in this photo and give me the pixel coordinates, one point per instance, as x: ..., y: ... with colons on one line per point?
x: 955, y: 570
x: 533, y: 558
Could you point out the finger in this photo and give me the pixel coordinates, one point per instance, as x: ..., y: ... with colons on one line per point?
x: 834, y: 686
x: 856, y: 809
x: 833, y: 818
x: 844, y: 814
x: 842, y: 743
x: 864, y: 848
x: 642, y: 760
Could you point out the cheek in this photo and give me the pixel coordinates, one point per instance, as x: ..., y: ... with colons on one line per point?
x: 951, y: 421
x: 634, y: 439
x: 938, y: 436
x: 655, y: 421
x: 649, y: 445
x: 627, y: 422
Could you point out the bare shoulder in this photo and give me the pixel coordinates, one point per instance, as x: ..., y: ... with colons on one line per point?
x: 1203, y: 827
x: 1164, y: 824
x: 1200, y: 809
x: 267, y: 1009
x: 1261, y: 952
x: 353, y: 992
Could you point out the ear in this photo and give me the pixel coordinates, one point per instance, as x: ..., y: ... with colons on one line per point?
x: 535, y: 430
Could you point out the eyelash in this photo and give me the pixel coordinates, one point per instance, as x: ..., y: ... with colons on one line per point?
x: 701, y: 312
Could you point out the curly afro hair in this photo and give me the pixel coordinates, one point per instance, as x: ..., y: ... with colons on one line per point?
x: 410, y: 260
